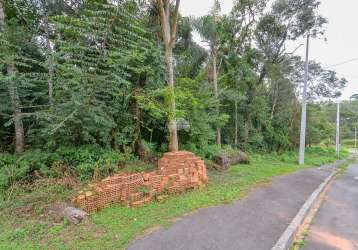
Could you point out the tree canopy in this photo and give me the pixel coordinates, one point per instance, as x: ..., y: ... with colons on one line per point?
x: 118, y: 74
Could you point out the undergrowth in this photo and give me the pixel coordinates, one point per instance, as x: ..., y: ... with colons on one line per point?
x: 25, y: 224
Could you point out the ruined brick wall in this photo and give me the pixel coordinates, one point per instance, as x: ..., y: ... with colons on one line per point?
x: 177, y: 172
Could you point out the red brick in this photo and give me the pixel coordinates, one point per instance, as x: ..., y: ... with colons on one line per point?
x: 177, y: 172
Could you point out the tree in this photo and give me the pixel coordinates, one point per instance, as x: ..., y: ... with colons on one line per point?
x: 169, y: 22
x: 208, y: 28
x: 190, y: 57
x: 15, y: 101
x: 287, y: 20
x: 322, y: 83
x: 237, y: 57
x: 101, y: 64
x: 49, y: 51
x: 10, y: 68
x: 354, y: 97
x: 120, y: 74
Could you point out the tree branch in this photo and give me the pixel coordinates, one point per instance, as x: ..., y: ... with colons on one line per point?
x: 62, y: 122
x: 174, y: 23
x: 163, y: 20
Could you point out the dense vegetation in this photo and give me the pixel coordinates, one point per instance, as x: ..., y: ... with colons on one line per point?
x: 93, y: 87
x: 26, y: 225
x: 86, y: 85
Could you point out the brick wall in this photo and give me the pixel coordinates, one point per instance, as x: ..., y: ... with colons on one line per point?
x: 176, y: 173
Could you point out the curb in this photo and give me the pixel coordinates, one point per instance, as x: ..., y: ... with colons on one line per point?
x: 287, y: 238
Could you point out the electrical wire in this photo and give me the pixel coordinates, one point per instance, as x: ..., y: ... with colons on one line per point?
x: 342, y: 63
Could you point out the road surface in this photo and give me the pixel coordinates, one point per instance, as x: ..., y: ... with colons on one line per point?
x: 335, y: 226
x: 253, y: 223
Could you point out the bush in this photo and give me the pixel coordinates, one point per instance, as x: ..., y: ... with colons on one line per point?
x: 206, y: 151
x: 22, y: 168
x: 348, y: 143
x: 81, y: 161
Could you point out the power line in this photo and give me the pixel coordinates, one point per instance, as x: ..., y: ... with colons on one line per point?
x: 342, y: 63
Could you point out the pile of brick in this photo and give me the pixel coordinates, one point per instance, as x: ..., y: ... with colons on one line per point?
x: 176, y: 173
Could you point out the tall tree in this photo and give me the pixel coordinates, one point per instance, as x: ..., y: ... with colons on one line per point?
x: 208, y: 28
x: 48, y: 49
x: 100, y: 65
x: 12, y: 88
x: 236, y: 36
x: 169, y: 21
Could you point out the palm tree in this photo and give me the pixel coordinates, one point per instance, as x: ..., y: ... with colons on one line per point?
x: 207, y: 27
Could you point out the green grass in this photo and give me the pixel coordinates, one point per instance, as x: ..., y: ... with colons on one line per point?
x: 115, y: 227
x: 348, y: 143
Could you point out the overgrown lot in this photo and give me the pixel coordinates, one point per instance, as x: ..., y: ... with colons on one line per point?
x: 25, y: 223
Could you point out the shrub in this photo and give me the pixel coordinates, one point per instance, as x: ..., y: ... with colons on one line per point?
x: 205, y: 151
x: 82, y: 161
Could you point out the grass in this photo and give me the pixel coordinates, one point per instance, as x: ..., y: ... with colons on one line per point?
x: 348, y: 143
x: 24, y: 224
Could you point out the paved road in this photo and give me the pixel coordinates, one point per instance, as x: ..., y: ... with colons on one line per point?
x: 336, y: 223
x: 253, y: 223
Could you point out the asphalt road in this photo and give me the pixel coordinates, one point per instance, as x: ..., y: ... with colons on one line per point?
x: 335, y: 226
x: 253, y: 223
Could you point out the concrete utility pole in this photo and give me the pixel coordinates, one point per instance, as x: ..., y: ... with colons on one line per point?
x: 337, y: 131
x: 301, y: 159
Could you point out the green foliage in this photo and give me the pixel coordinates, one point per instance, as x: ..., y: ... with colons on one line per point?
x: 206, y: 151
x: 99, y: 60
x: 21, y: 72
x: 103, y: 54
x: 105, y: 62
x: 197, y: 105
x: 122, y: 224
x: 79, y: 161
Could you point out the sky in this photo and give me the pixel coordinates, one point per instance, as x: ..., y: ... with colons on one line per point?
x: 341, y: 34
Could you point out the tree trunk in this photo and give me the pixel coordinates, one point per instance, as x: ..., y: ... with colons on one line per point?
x: 2, y: 15
x: 274, y: 100
x: 216, y: 93
x: 248, y: 116
x: 14, y: 96
x: 137, y: 143
x: 173, y: 134
x: 236, y: 125
x: 49, y: 55
x: 169, y: 28
x: 17, y: 116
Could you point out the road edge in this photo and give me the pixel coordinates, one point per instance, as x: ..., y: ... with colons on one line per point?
x: 287, y: 238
